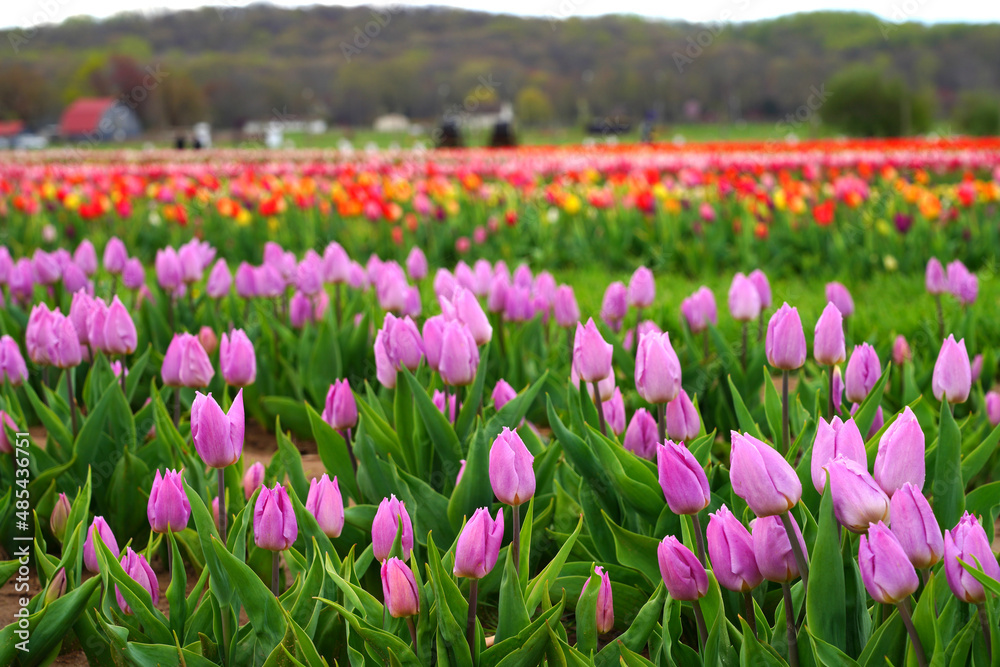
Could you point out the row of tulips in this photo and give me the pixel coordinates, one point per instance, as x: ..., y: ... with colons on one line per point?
x: 670, y: 543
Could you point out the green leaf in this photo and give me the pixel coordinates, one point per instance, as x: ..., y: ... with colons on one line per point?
x: 53, y: 425
x: 637, y: 635
x: 442, y: 433
x: 865, y: 415
x: 540, y: 584
x: 292, y: 461
x: 825, y: 654
x: 205, y: 525
x: 826, y: 612
x: 974, y: 461
x: 262, y: 608
x: 586, y: 614
x: 47, y: 627
x: 636, y: 551
x: 772, y: 406
x: 380, y: 643
x: 949, y: 490
x: 754, y: 653
x: 747, y: 424
x: 513, y: 616
x: 334, y: 454
x: 473, y: 398
x: 102, y: 439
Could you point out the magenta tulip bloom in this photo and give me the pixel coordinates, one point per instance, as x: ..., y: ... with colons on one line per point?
x: 134, y: 275
x: 268, y: 281
x: 857, y: 499
x: 399, y: 589
x: 246, y: 281
x: 79, y: 311
x: 605, y: 603
x: 218, y: 437
x: 502, y: 394
x: 511, y: 474
x: 863, y: 371
x: 828, y: 339
x: 22, y: 281
x: 448, y: 407
x: 119, y: 330
x: 459, y: 355
x: 253, y: 479
x: 967, y: 542
x: 85, y: 257
x: 47, y: 271
x: 934, y: 278
x: 38, y: 335
x: 591, y: 354
x: 219, y: 280
x: 403, y: 343
x: 835, y: 438
x: 901, y: 351
x: 614, y: 305
x: 641, y: 435
x: 237, y: 359
x: 952, y: 378
x: 496, y: 300
x: 274, y: 525
x: 684, y: 576
x: 186, y: 364
x: 699, y: 310
x: 385, y: 368
x: 518, y: 304
x: 838, y: 295
x: 838, y: 389
x: 115, y: 256
x: 977, y: 367
x: 614, y: 412
x: 168, y: 507
x: 336, y: 264
x: 762, y: 477
x: 962, y: 284
x: 773, y: 550
x: 61, y: 510
x: 992, y: 402
x: 730, y: 548
x: 309, y: 274
x: 785, y: 343
x: 916, y: 527
x: 64, y: 351
x: 89, y: 548
x: 763, y: 288
x: 567, y: 312
x: 300, y: 310
x: 886, y: 571
x: 683, y: 480
x: 416, y: 264
x: 340, y: 410
x: 391, y: 513
x: 683, y: 422
x: 135, y: 566
x: 467, y: 310
x: 484, y: 277
x: 641, y: 288
x: 478, y: 545
x: 900, y: 457
x: 169, y: 273
x: 433, y: 334
x: 73, y: 278
x: 208, y: 340
x: 657, y: 369
x: 327, y: 505
x: 744, y: 299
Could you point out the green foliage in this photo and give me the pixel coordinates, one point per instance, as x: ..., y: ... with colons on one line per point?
x: 867, y: 101
x: 978, y: 113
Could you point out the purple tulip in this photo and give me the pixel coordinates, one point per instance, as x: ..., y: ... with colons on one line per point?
x: 38, y: 335
x: 952, y: 379
x: 886, y: 571
x: 445, y: 283
x: 309, y: 274
x: 614, y: 412
x: 773, y: 550
x: 762, y: 477
x: 464, y: 276
x: 976, y: 368
x: 399, y: 589
x: 402, y: 342
x: 74, y: 280
x: 484, y: 277
x: 440, y: 402
x: 79, y: 312
x: 22, y: 281
x: 683, y: 422
x: 963, y: 285
x: 605, y: 603
x: 115, y: 256
x: 605, y: 387
x: 459, y: 355
x: 838, y: 295
x: 385, y: 368
x: 96, y: 318
x: 433, y: 335
x: 567, y: 312
x: 478, y: 545
x: 60, y: 512
x: 857, y: 499
x: 340, y: 410
x: 744, y: 299
x: 85, y: 257
x: 237, y: 359
x: 967, y: 542
x: 657, y: 369
x: 268, y: 281
x: 64, y: 349
x: 169, y: 273
x: 683, y: 574
x: 47, y: 271
x: 220, y: 280
x: 614, y: 305
x: 901, y: 351
x: 835, y: 438
x: 326, y: 504
x: 992, y: 401
x: 336, y: 264
x: 246, y: 281
x: 465, y: 308
x: 134, y: 275
x: 900, y: 457
x: 496, y: 301
x: 641, y: 288
x: 683, y: 480
x: 411, y: 304
x: 186, y: 364
x: 300, y: 310
x: 838, y: 389
x: 730, y: 548
x: 502, y: 394
x: 863, y: 371
x: 699, y: 310
x: 209, y: 341
x: 89, y: 548
x: 916, y: 527
x: 518, y: 306
x: 218, y: 436
x: 522, y: 276
x: 763, y: 288
x: 168, y: 508
x: 135, y: 566
x: 6, y: 422
x: 253, y: 479
x: 391, y: 513
x: 119, y: 330
x: 416, y: 264
x: 785, y: 343
x: 641, y: 435
x: 7, y: 264
x: 12, y: 366
x: 828, y: 339
x: 934, y: 278
x: 391, y: 287
x: 190, y: 259
x: 274, y: 525
x: 511, y: 474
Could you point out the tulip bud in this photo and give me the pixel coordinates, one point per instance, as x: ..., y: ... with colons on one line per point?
x: 168, y: 508
x: 502, y: 394
x: 518, y: 305
x: 478, y: 545
x: 614, y: 305
x: 169, y: 273
x: 60, y: 514
x: 391, y: 512
x: 220, y: 280
x: 863, y: 371
x: 459, y: 355
x: 641, y: 436
x: 336, y: 264
x: 567, y: 312
x: 993, y: 407
x: 119, y: 330
x: 683, y: 480
x: 773, y: 550
x: 605, y: 603
x: 962, y: 284
x: 977, y: 367
x: 215, y: 511
x: 730, y: 548
x: 511, y: 474
x: 744, y: 300
x: 134, y: 275
x: 340, y: 410
x: 785, y: 344
x: 12, y: 366
x: 468, y: 311
x: 857, y: 499
x: 208, y: 340
x: 237, y: 359
x: 268, y: 281
x: 838, y: 295
x: 683, y: 422
x: 326, y: 504
x: 309, y: 274
x: 403, y: 343
x: 186, y: 364
x: 614, y: 412
x: 699, y: 310
x: 684, y: 576
x: 74, y: 280
x: 934, y: 278
x: 218, y: 436
x: 56, y: 588
x: 300, y: 310
x: 657, y: 369
x: 274, y: 524
x: 967, y: 542
x: 828, y: 340
x: 900, y: 457
x: 762, y: 477
x: 385, y: 369
x: 760, y: 281
x: 886, y: 571
x: 89, y: 549
x: 399, y: 589
x: 135, y: 566
x: 916, y: 527
x: 837, y: 389
x: 835, y: 438
x: 605, y: 387
x: 86, y: 257
x: 901, y: 351
x: 246, y: 281
x: 115, y: 256
x: 416, y: 264
x: 253, y: 479
x: 641, y: 288
x: 952, y: 378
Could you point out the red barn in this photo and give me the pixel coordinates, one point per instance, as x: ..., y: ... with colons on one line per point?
x: 99, y: 119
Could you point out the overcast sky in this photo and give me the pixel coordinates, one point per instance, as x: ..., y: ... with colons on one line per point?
x: 29, y: 13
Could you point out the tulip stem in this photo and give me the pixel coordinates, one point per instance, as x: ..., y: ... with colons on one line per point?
x: 177, y: 406
x: 793, y: 539
x: 124, y: 389
x: 470, y: 632
x: 918, y: 648
x: 760, y: 326
x: 337, y: 305
x: 661, y: 422
x: 784, y: 413
x: 793, y: 647
x: 222, y: 505
x: 985, y: 623
x: 413, y: 632
x: 699, y: 539
x: 600, y: 410
x: 274, y: 573
x: 700, y: 619
x: 704, y: 345
x: 350, y: 452
x: 743, y: 352
x: 750, y: 613
x: 829, y: 397
x: 515, y: 543
x: 940, y: 316
x: 71, y: 397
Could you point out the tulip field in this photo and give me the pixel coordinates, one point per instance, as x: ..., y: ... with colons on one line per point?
x: 708, y: 404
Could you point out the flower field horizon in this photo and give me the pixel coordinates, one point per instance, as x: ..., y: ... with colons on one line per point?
x: 692, y: 404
